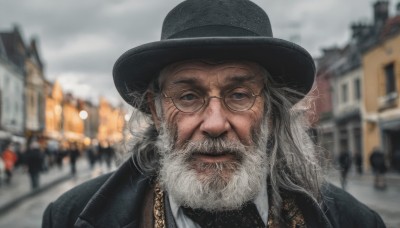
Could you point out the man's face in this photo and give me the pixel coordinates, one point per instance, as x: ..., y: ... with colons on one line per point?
x: 213, y: 144
x: 214, y: 119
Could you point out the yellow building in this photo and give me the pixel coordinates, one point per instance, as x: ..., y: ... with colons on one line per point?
x: 73, y: 124
x: 65, y: 122
x: 381, y: 114
x: 54, y: 99
x: 111, y: 122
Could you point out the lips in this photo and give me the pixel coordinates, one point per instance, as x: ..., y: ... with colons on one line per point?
x: 215, y: 157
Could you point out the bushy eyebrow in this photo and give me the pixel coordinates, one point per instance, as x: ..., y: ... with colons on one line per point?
x: 188, y: 80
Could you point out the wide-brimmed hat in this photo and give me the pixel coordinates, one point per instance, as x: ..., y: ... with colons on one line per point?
x: 217, y: 29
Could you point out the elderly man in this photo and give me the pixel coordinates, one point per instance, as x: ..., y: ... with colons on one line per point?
x: 224, y: 144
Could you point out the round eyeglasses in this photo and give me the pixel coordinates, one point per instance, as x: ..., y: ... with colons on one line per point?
x: 237, y: 100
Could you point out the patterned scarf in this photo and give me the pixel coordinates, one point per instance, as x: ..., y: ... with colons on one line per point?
x: 247, y: 216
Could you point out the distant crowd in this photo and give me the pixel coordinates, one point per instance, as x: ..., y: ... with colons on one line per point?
x: 37, y: 159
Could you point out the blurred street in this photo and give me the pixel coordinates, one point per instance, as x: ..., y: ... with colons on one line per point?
x: 384, y: 202
x: 22, y: 208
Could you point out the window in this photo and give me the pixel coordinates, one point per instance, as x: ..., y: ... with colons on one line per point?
x: 390, y: 79
x: 357, y: 89
x: 344, y: 93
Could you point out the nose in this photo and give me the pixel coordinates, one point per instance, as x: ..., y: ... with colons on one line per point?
x: 215, y: 122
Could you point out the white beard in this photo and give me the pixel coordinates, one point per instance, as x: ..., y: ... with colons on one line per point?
x: 213, y: 192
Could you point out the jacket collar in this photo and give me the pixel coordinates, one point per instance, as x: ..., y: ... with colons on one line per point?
x: 313, y: 213
x: 118, y: 203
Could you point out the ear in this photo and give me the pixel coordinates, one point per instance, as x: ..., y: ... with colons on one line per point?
x: 152, y: 107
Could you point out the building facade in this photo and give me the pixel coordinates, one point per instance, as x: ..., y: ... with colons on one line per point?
x: 90, y: 115
x: 35, y: 97
x: 73, y: 124
x: 381, y: 125
x: 347, y: 112
x: 32, y: 107
x: 323, y: 108
x: 54, y: 114
x: 111, y: 122
x: 12, y: 77
x: 343, y: 69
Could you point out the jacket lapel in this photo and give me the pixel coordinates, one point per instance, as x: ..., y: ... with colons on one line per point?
x: 312, y: 212
x: 118, y: 203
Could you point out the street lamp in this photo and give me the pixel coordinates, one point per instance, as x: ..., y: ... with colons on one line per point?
x: 127, y: 117
x: 83, y: 115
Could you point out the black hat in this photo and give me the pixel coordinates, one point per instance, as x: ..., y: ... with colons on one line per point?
x: 222, y: 29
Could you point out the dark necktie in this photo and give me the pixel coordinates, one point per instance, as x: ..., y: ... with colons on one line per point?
x: 246, y: 217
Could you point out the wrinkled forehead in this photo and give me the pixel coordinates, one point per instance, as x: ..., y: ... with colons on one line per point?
x: 230, y: 67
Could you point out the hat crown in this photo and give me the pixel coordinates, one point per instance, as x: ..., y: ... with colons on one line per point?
x: 216, y: 18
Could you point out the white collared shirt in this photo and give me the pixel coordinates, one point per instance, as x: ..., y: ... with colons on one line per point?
x: 182, y: 221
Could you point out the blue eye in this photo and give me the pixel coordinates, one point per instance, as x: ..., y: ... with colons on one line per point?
x: 188, y: 100
x: 238, y: 96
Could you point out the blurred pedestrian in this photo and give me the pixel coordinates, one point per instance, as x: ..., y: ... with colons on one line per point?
x: 73, y: 153
x: 358, y: 162
x: 100, y: 153
x: 9, y: 158
x: 51, y: 153
x: 377, y: 160
x: 2, y: 171
x: 46, y: 158
x: 19, y: 151
x: 34, y: 161
x: 345, y: 164
x: 91, y: 153
x: 60, y: 154
x: 108, y: 155
x: 396, y: 160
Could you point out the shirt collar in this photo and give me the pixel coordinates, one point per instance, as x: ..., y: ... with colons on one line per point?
x: 261, y: 202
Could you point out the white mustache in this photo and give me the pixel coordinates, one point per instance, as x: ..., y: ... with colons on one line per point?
x: 213, y: 147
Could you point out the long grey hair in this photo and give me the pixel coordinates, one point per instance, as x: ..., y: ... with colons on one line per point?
x: 293, y: 162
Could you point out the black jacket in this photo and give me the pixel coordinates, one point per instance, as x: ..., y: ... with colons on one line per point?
x: 115, y: 200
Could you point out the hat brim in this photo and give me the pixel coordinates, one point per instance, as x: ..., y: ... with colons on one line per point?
x: 288, y: 63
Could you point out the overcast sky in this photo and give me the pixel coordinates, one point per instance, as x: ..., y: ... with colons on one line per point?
x: 79, y: 41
